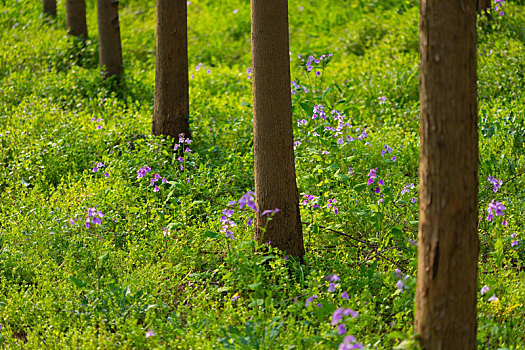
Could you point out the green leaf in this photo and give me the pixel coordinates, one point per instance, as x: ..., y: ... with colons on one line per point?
x: 360, y: 187
x: 78, y: 282
x: 212, y: 234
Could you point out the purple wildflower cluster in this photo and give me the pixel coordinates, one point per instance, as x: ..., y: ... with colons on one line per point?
x: 199, y: 67
x: 182, y: 141
x: 514, y: 240
x: 227, y: 224
x: 249, y: 73
x: 498, y: 6
x: 308, y: 200
x: 331, y: 203
x: 312, y: 62
x: 337, y: 319
x: 94, y: 216
x: 349, y: 343
x: 97, y: 120
x: 144, y: 170
x: 246, y: 200
x: 99, y: 165
x: 495, y: 182
x: 485, y: 289
x: 388, y: 149
x: 495, y: 208
x: 402, y: 278
x: 407, y: 189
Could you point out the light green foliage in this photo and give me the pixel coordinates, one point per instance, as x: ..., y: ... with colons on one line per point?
x: 159, y: 261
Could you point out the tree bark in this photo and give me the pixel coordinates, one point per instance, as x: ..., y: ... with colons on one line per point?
x: 110, y: 47
x: 275, y: 181
x: 76, y: 18
x: 50, y: 8
x: 171, y: 108
x: 448, y: 209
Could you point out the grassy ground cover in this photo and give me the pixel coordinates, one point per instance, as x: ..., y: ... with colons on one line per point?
x: 154, y: 269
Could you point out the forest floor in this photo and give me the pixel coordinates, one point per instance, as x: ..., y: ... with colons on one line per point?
x: 154, y: 269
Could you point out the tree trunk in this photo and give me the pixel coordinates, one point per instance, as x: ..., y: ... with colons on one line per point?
x: 275, y: 182
x: 76, y: 18
x: 50, y: 8
x: 448, y: 210
x: 171, y: 109
x: 110, y: 49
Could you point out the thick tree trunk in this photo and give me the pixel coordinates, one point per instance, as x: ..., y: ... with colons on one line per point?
x: 275, y: 182
x: 171, y: 110
x: 110, y: 47
x: 50, y: 8
x: 448, y: 231
x: 76, y: 18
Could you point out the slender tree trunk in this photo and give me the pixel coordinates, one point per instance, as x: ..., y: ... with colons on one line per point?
x: 448, y: 209
x: 110, y: 47
x: 171, y: 110
x: 76, y: 18
x: 50, y: 8
x: 275, y: 182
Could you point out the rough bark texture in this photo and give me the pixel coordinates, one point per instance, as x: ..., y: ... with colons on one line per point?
x: 275, y: 183
x: 448, y: 235
x: 171, y: 110
x: 76, y: 18
x: 110, y: 47
x: 50, y: 8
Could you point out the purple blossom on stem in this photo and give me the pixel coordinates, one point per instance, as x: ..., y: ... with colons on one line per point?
x: 484, y: 290
x: 495, y: 182
x: 310, y: 300
x: 495, y: 208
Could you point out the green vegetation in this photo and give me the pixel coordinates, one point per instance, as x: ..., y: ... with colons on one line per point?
x: 159, y: 271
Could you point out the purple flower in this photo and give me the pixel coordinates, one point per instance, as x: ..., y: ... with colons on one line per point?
x: 318, y: 73
x: 394, y: 159
x: 156, y: 188
x: 341, y: 329
x: 249, y: 222
x: 493, y: 298
x: 310, y: 300
x: 180, y: 159
x: 331, y: 287
x: 150, y: 333
x: 339, y: 313
x: 495, y: 208
x: 400, y: 285
x: 97, y: 166
x: 345, y: 296
x: 372, y: 175
x: 504, y: 222
x: 382, y: 100
x: 269, y: 211
x: 236, y: 296
x: 484, y: 290
x: 248, y: 199
x: 228, y: 212
x: 332, y: 278
x: 164, y: 181
x: 229, y: 234
x: 176, y: 146
x: 106, y: 174
x: 495, y: 182
x: 377, y: 190
x: 413, y: 200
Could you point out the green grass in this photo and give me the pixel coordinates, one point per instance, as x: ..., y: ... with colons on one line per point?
x: 159, y: 262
